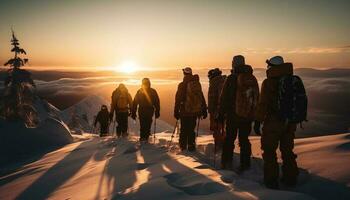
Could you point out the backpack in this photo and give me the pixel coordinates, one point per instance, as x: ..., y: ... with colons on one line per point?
x: 193, y: 101
x: 247, y: 95
x: 291, y: 99
x: 122, y: 100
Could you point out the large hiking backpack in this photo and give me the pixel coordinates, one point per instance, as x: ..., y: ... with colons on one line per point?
x: 122, y: 100
x: 291, y: 100
x: 193, y: 101
x: 247, y: 95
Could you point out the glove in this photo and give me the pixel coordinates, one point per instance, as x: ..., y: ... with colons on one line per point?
x: 257, y: 128
x: 220, y: 117
x: 157, y: 114
x: 177, y: 115
x: 204, y: 114
x: 133, y: 116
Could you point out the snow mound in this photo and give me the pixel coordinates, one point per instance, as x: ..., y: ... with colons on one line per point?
x: 16, y: 139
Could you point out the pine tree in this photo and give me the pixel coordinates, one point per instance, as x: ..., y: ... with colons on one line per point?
x: 16, y: 61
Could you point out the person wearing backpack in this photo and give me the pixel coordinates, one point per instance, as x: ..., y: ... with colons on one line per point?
x: 103, y: 119
x: 237, y: 106
x: 216, y: 82
x: 147, y: 103
x: 190, y: 105
x: 121, y: 105
x: 282, y: 105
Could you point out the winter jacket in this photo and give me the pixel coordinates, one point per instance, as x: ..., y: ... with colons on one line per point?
x: 147, y: 102
x: 215, y: 87
x: 102, y: 117
x: 117, y: 93
x: 267, y: 106
x: 227, y: 100
x: 180, y: 98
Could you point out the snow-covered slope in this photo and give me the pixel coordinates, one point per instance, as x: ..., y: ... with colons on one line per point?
x: 119, y: 169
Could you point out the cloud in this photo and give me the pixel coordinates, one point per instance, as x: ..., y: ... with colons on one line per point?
x: 303, y: 50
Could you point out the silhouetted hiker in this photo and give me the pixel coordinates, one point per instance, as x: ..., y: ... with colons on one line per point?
x: 147, y: 103
x: 282, y: 104
x: 190, y: 105
x: 238, y: 102
x: 121, y: 106
x: 216, y: 82
x: 103, y: 119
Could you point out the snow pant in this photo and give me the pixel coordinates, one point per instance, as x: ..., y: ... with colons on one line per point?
x: 277, y: 133
x: 145, y: 127
x: 122, y: 120
x: 241, y: 127
x: 217, y: 129
x: 103, y: 129
x: 187, y: 138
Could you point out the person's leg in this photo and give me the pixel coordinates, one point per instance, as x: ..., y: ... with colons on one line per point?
x: 183, y: 135
x: 119, y: 122
x: 244, y: 143
x: 269, y: 143
x: 104, y: 129
x: 124, y: 123
x: 142, y: 128
x: 191, y: 133
x: 148, y: 125
x: 228, y: 145
x: 290, y: 169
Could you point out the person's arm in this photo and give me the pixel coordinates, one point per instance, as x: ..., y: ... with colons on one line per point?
x: 263, y: 104
x: 130, y: 102
x: 156, y: 104
x: 178, y: 100
x: 204, y: 106
x: 135, y: 105
x: 113, y: 105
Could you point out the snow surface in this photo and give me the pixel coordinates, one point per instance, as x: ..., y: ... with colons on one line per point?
x: 123, y: 169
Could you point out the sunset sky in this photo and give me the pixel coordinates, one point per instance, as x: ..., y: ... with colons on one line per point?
x: 162, y: 34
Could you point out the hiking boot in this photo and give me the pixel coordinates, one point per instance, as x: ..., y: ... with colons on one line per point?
x: 289, y: 182
x: 242, y: 168
x: 191, y: 148
x: 273, y: 185
x: 226, y: 166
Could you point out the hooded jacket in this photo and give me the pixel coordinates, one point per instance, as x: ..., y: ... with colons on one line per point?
x: 267, y: 106
x: 180, y: 97
x: 227, y: 102
x: 214, y: 92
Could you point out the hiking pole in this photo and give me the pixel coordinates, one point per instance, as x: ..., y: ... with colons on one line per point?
x: 154, y: 130
x: 172, y: 135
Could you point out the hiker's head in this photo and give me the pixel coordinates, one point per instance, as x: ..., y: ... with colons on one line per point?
x: 146, y: 83
x: 274, y: 61
x: 104, y: 107
x: 214, y: 72
x: 122, y: 86
x: 238, y: 61
x: 187, y: 71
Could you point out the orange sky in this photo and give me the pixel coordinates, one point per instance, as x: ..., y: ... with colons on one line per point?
x: 163, y: 34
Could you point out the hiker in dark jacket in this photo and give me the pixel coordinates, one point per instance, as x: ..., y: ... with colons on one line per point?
x: 237, y: 125
x: 216, y: 82
x: 190, y: 105
x: 146, y: 102
x: 121, y: 105
x: 275, y: 131
x: 103, y: 119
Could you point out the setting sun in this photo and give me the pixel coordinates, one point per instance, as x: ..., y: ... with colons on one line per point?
x: 127, y: 67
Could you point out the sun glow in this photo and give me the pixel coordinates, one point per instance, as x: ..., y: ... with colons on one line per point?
x: 128, y: 67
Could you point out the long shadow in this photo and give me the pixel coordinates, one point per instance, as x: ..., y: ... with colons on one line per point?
x: 120, y: 170
x: 308, y: 183
x: 59, y: 173
x: 176, y: 174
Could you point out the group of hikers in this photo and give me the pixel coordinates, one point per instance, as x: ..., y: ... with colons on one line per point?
x: 235, y: 105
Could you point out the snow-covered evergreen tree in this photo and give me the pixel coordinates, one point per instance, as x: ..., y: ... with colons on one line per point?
x: 19, y: 95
